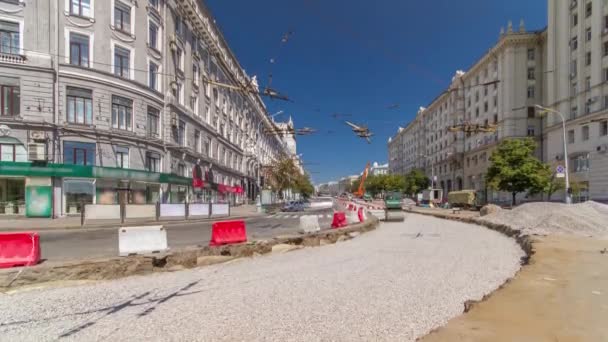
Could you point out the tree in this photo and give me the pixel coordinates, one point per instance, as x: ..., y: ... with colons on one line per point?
x: 382, y: 183
x: 304, y: 185
x: 415, y: 181
x: 283, y: 174
x: 515, y: 169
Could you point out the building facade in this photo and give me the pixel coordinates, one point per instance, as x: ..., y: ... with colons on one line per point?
x: 498, y: 92
x: 577, y: 87
x: 108, y: 101
x: 378, y: 169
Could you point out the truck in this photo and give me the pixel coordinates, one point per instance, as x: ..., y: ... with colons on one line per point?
x: 392, y: 207
x: 467, y: 199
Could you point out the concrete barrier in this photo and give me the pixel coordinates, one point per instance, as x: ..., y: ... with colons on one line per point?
x: 102, y: 212
x: 309, y: 223
x: 198, y: 209
x: 220, y: 209
x: 322, y: 205
x: 172, y: 210
x: 140, y: 211
x: 141, y: 240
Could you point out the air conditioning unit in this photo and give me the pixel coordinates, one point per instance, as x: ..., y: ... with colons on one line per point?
x: 37, y: 135
x: 36, y: 152
x: 592, y: 99
x: 602, y: 148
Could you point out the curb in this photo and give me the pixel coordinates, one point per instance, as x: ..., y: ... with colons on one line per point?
x: 119, y: 267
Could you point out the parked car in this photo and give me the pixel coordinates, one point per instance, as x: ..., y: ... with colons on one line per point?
x: 293, y: 206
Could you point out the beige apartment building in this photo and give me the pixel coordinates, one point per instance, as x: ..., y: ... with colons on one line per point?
x: 577, y: 87
x: 501, y: 90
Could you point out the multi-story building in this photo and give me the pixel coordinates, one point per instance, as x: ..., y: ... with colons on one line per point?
x: 577, y: 87
x: 378, y: 169
x: 501, y: 90
x: 107, y: 101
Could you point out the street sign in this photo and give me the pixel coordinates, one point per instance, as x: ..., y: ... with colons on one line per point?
x: 560, y: 171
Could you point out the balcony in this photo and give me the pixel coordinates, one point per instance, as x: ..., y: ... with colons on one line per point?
x: 12, y: 58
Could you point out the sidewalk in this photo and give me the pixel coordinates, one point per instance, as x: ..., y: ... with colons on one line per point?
x: 73, y: 222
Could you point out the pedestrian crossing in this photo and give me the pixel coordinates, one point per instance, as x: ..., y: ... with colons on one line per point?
x: 284, y: 216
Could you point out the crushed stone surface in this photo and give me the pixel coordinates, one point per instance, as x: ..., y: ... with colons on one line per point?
x: 392, y: 284
x: 546, y: 218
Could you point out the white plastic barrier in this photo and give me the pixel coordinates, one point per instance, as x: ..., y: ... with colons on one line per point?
x: 379, y: 214
x: 141, y: 240
x: 102, y: 211
x: 198, y: 209
x: 352, y: 217
x: 321, y: 205
x: 309, y: 223
x: 140, y: 211
x: 172, y: 210
x: 220, y: 209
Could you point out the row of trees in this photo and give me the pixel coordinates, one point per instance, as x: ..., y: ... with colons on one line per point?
x: 283, y: 174
x: 514, y: 169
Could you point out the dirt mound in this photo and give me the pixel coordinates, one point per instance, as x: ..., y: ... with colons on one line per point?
x: 543, y: 218
x: 489, y: 209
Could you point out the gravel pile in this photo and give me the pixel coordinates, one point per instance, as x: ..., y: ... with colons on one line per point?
x: 543, y: 218
x: 393, y: 284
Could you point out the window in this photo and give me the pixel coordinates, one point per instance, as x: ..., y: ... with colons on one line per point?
x: 574, y: 19
x: 179, y: 59
x: 574, y: 43
x: 485, y: 107
x: 588, y: 83
x: 605, y: 48
x: 207, y: 90
x: 122, y: 17
x: 197, y: 141
x: 580, y: 163
x: 574, y: 112
x: 585, y: 132
x: 79, y: 106
x: 178, y: 92
x: 207, y: 114
x: 574, y: 89
x: 152, y: 35
x: 495, y: 118
x: 122, y: 113
x: 81, y: 8
x: 530, y: 131
x: 605, y: 101
x: 588, y: 58
x: 216, y: 97
x: 571, y: 136
x: 485, y: 90
x: 8, y: 152
x: 10, y: 96
x: 531, y: 112
x: 477, y: 112
x: 604, y: 128
x: 181, y: 170
x: 153, y: 76
x: 588, y: 9
x: 194, y: 104
x: 152, y: 162
x: 588, y: 33
x: 79, y: 49
x: 154, y: 4
x: 78, y: 153
x: 9, y: 38
x: 587, y: 107
x: 531, y: 92
x: 531, y: 54
x: 531, y: 74
x: 179, y: 27
x: 195, y: 74
x: 121, y: 61
x: 573, y: 68
x: 153, y: 122
x: 476, y: 96
x: 181, y: 133
x: 122, y: 157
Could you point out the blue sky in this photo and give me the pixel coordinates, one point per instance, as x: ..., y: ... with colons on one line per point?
x: 347, y: 57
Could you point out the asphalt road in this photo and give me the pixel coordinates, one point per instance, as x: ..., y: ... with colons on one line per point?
x: 392, y: 284
x: 73, y: 244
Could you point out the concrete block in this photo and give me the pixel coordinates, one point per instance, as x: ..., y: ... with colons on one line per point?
x: 309, y: 223
x: 142, y: 240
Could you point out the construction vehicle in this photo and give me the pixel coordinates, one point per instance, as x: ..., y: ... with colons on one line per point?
x: 392, y: 207
x: 361, y: 190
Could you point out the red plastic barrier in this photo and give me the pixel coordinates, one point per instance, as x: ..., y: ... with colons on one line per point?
x: 339, y: 220
x: 19, y: 249
x: 360, y: 214
x: 228, y: 232
x: 350, y: 206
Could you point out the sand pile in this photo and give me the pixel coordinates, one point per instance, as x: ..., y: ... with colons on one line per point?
x: 543, y: 218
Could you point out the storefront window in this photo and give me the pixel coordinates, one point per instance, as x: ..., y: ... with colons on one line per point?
x: 106, y: 191
x: 152, y: 193
x: 178, y: 194
x: 77, y: 193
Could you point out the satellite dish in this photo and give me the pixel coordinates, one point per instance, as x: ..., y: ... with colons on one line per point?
x: 5, y: 130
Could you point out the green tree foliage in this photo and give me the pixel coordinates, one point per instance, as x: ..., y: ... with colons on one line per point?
x: 515, y: 169
x: 415, y: 181
x: 284, y: 174
x: 383, y: 183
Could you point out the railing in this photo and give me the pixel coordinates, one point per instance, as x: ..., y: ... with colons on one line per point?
x: 12, y: 58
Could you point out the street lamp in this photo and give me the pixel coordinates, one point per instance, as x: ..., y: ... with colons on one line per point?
x: 544, y: 110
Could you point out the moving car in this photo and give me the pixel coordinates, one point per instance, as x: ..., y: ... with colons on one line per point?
x: 293, y: 206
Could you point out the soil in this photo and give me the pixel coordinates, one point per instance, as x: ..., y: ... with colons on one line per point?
x: 562, y: 295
